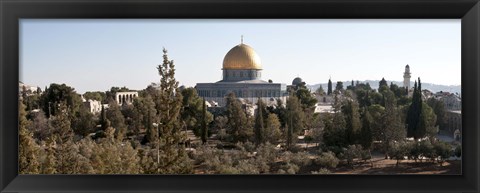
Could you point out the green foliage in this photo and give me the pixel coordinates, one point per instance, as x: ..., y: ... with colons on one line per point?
x: 329, y: 91
x: 334, y: 132
x: 32, y: 101
x: 97, y: 95
x: 237, y: 119
x: 259, y: 123
x: 366, y: 134
x: 327, y: 159
x: 439, y: 110
x: 443, y: 151
x: 83, y: 122
x: 320, y: 90
x: 295, y: 119
x: 39, y: 126
x: 204, y: 123
x: 192, y: 111
x: 392, y: 128
x: 352, y: 118
x: 398, y: 151
x: 57, y: 94
x: 117, y: 120
x: 351, y: 153
x: 420, y: 118
x: 339, y: 86
x: 60, y: 124
x: 307, y: 100
x: 428, y: 120
x: 322, y: 171
x: 172, y: 159
x: 145, y: 116
x: 28, y: 149
x: 272, y: 129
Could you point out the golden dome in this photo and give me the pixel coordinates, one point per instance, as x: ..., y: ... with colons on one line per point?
x: 242, y: 57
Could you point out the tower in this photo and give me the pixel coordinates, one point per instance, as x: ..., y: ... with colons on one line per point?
x: 406, y: 77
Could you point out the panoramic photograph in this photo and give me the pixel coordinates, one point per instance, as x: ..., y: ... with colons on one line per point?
x: 240, y: 96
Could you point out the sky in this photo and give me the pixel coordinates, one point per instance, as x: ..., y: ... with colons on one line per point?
x: 94, y: 54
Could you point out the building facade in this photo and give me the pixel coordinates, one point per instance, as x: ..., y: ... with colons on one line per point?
x: 125, y: 97
x: 454, y: 123
x: 242, y: 73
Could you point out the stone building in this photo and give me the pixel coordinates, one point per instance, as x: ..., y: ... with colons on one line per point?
x: 454, y: 123
x: 242, y: 73
x: 93, y: 106
x: 125, y: 97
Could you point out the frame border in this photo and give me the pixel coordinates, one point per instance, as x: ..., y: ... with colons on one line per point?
x: 13, y: 10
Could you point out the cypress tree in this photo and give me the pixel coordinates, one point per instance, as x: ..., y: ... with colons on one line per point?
x: 415, y: 122
x: 259, y: 123
x: 204, y: 123
x: 329, y: 90
x: 295, y: 117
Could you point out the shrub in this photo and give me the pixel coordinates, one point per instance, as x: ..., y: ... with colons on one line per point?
x: 301, y: 159
x: 443, y: 151
x: 398, y: 151
x: 322, y: 171
x: 351, y: 153
x: 365, y: 155
x: 288, y: 168
x: 425, y: 149
x: 327, y: 159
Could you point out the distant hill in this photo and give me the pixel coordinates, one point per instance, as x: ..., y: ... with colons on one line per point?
x: 374, y: 84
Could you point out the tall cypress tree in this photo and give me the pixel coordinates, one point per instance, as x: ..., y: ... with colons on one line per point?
x: 172, y: 157
x: 415, y: 127
x: 329, y: 91
x: 259, y: 127
x: 295, y: 118
x: 204, y: 123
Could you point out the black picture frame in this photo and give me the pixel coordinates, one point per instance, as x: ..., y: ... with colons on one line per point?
x: 13, y: 10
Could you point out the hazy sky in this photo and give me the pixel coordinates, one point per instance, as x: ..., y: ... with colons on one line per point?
x: 92, y: 55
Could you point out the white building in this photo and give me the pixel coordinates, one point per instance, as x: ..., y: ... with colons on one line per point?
x: 93, y: 105
x: 125, y: 97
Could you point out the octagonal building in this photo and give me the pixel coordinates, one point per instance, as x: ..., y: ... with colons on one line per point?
x: 242, y: 73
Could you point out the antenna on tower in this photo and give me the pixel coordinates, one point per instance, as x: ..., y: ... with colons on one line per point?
x: 241, y: 39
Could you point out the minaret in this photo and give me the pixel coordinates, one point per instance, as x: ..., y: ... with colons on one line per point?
x: 406, y: 77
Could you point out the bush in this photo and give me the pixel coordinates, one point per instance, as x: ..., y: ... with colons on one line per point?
x: 301, y: 159
x: 365, y: 155
x: 327, y: 159
x: 322, y: 171
x: 288, y: 168
x: 425, y: 149
x: 351, y: 153
x: 443, y: 151
x: 398, y: 151
x: 247, y: 167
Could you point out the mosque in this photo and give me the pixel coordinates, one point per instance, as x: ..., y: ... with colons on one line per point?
x: 242, y: 73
